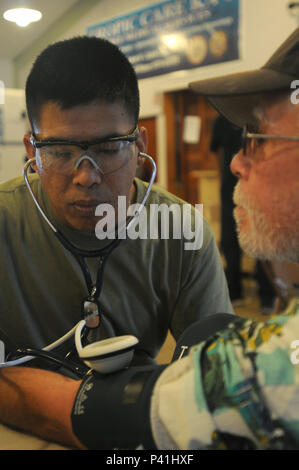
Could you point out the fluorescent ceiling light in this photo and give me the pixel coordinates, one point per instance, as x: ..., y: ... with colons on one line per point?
x: 22, y: 16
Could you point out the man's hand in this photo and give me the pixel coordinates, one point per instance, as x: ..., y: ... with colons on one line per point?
x: 39, y: 402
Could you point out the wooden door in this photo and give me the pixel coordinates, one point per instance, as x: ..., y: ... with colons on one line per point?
x: 184, y: 159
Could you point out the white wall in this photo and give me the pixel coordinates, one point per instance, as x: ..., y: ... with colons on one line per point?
x: 264, y: 26
x: 6, y: 72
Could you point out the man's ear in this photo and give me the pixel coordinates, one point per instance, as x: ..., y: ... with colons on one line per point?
x: 30, y: 150
x: 142, y: 142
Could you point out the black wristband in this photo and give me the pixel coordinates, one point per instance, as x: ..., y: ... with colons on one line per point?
x: 113, y: 411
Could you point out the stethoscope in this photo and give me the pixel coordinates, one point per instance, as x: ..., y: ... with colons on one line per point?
x: 105, y: 356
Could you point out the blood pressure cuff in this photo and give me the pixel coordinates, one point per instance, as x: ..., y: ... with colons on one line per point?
x: 113, y: 411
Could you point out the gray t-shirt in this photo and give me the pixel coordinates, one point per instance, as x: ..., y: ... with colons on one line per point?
x: 149, y: 286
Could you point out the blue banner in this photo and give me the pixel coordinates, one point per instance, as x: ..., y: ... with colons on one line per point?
x: 175, y: 35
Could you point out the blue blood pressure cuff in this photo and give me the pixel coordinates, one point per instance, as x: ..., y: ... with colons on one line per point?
x: 113, y: 411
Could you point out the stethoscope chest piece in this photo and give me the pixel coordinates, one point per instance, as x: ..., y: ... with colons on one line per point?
x: 108, y: 355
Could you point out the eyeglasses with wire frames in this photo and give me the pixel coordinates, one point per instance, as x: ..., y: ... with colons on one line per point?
x: 109, y: 154
x: 251, y: 141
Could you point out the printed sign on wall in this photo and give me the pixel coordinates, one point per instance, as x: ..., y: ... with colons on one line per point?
x: 175, y: 35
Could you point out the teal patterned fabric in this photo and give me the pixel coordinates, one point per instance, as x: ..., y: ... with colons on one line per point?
x: 237, y: 390
x: 248, y: 370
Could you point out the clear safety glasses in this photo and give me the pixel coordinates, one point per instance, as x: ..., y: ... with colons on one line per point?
x: 106, y: 155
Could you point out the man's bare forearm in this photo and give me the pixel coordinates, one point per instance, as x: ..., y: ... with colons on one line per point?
x: 39, y: 402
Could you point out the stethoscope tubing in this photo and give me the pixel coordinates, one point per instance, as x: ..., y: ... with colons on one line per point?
x: 61, y: 237
x: 78, y: 254
x: 50, y: 347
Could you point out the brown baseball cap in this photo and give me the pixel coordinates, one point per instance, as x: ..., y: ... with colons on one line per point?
x: 236, y: 95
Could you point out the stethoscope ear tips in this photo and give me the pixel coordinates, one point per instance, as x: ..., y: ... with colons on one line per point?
x: 108, y: 355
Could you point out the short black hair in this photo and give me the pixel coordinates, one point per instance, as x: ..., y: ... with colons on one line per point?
x: 78, y: 71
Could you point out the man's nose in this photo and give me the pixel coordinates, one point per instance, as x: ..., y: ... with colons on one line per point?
x: 86, y: 173
x: 240, y: 165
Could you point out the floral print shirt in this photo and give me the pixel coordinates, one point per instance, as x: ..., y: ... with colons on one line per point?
x: 237, y: 390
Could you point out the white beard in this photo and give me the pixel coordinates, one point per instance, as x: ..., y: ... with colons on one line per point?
x: 265, y: 239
